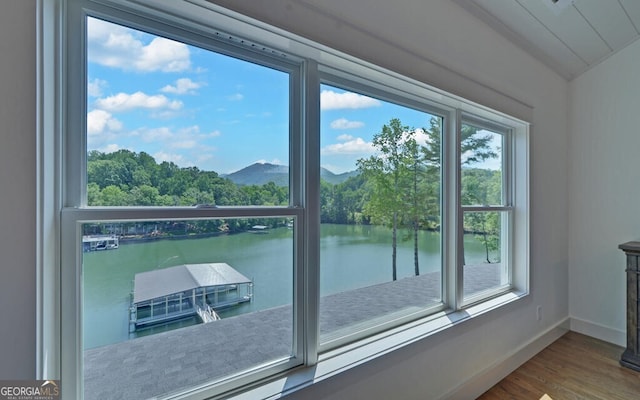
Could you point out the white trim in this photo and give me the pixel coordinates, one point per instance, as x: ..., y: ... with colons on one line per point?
x: 483, y: 380
x: 311, y: 188
x: 47, y: 261
x: 598, y: 331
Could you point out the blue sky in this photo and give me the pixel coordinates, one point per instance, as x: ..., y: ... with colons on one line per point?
x: 194, y: 107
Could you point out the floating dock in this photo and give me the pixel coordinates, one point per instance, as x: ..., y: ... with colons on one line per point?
x: 183, y: 291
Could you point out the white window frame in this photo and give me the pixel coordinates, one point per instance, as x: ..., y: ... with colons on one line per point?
x: 506, y: 207
x: 62, y: 201
x: 75, y: 211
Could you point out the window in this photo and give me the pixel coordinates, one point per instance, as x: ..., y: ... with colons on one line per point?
x: 233, y: 208
x: 380, y: 245
x: 485, y: 191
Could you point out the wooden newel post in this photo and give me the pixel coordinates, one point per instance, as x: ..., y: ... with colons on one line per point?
x: 631, y: 356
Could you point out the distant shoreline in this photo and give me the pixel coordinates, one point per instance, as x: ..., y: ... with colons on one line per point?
x: 130, y: 240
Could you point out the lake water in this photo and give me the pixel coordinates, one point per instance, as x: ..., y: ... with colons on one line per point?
x: 351, y: 257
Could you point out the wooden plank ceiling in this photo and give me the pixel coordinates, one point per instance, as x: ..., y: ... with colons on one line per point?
x: 569, y: 36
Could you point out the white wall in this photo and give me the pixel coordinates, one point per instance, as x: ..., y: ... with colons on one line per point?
x: 604, y: 191
x: 445, y: 47
x: 17, y: 190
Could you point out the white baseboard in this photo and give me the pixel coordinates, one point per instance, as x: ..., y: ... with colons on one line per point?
x: 598, y: 331
x: 494, y: 373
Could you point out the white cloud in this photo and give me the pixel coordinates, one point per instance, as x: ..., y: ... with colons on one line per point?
x: 259, y: 115
x: 201, y: 158
x: 345, y: 138
x: 211, y: 134
x: 178, y: 159
x: 275, y: 161
x: 235, y: 97
x: 155, y: 134
x: 354, y: 146
x: 126, y: 102
x: 164, y: 55
x: 344, y: 123
x: 119, y: 47
x: 185, y: 144
x: 182, y: 86
x: 99, y: 121
x: 94, y: 88
x: 110, y: 148
x: 184, y: 138
x: 422, y: 138
x: 330, y: 100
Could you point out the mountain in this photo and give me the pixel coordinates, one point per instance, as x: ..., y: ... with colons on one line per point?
x: 336, y: 178
x: 261, y: 173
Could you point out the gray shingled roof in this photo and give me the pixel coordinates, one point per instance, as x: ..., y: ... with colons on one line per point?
x: 167, y: 362
x: 163, y: 282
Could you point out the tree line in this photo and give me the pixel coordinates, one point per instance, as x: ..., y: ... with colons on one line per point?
x: 126, y: 178
x: 398, y: 187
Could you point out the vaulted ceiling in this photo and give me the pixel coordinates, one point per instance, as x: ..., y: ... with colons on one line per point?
x: 569, y: 36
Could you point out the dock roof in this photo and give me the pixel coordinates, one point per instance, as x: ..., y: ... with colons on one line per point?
x: 167, y: 281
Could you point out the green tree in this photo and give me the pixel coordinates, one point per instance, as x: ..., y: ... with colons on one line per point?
x: 114, y: 196
x: 94, y: 194
x: 416, y: 203
x: 353, y: 192
x: 483, y: 187
x: 386, y: 173
x: 479, y: 186
x: 144, y: 195
x: 474, y: 147
x: 107, y: 173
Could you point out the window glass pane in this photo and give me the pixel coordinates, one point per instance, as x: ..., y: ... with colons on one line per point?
x: 172, y: 304
x: 170, y: 124
x: 380, y: 212
x: 481, y: 159
x: 485, y: 252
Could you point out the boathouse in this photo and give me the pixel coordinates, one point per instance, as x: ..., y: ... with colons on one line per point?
x: 99, y: 242
x: 186, y: 290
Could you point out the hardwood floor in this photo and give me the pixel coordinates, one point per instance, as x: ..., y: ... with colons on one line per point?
x: 573, y: 367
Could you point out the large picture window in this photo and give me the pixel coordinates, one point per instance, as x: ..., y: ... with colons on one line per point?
x: 234, y: 210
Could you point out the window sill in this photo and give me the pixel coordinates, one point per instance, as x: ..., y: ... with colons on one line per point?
x: 334, y: 362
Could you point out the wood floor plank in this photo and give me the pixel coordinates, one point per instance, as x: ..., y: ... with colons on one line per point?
x: 573, y: 367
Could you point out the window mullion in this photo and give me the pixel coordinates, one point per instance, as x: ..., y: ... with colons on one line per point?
x: 311, y: 163
x: 74, y: 108
x: 453, y: 216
